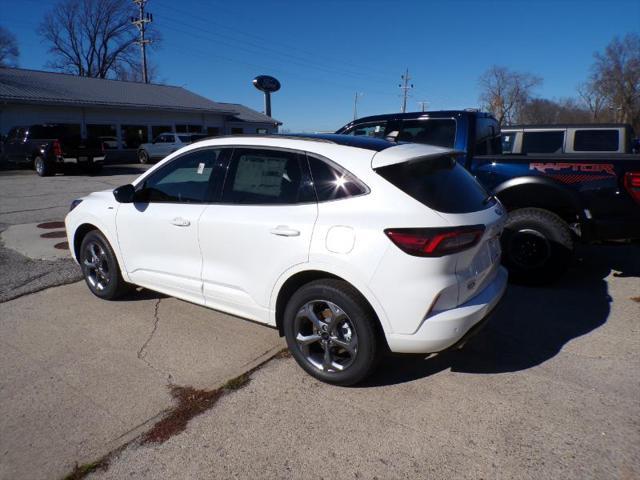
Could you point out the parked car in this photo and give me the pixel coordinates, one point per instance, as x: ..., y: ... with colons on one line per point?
x: 553, y: 201
x: 109, y: 142
x: 348, y: 246
x: 47, y: 147
x: 584, y: 139
x: 165, y: 144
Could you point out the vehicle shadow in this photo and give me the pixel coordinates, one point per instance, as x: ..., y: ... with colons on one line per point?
x: 532, y: 324
x: 140, y: 293
x: 107, y: 170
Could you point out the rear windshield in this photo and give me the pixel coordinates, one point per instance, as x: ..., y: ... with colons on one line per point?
x: 441, y: 184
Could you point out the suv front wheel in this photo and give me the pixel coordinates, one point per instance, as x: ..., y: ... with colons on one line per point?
x: 331, y: 333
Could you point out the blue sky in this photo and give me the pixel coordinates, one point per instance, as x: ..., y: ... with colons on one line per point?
x: 325, y: 51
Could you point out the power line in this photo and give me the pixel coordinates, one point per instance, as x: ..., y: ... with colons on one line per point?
x: 405, y: 87
x: 264, y: 45
x: 141, y: 22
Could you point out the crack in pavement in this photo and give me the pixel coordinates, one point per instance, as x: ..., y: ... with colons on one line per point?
x: 142, y: 354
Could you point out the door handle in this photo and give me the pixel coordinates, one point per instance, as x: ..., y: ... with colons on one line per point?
x: 180, y: 222
x: 284, y: 231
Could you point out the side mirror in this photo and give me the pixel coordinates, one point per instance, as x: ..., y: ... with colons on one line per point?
x: 125, y: 194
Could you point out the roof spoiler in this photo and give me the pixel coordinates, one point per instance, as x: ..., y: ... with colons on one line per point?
x: 410, y: 152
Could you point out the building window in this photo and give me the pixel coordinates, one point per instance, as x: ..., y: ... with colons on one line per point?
x: 182, y: 128
x: 107, y: 134
x: 237, y: 131
x: 261, y: 131
x: 159, y: 130
x: 213, y: 131
x: 133, y: 135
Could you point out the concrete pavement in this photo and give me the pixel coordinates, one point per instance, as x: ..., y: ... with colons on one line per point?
x: 80, y: 376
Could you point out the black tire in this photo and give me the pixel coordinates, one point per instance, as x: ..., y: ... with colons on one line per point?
x: 355, y: 327
x: 101, y: 270
x: 537, y: 246
x: 143, y: 157
x: 42, y: 167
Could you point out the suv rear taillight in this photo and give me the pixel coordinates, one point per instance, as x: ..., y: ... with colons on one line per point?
x: 435, y: 242
x: 632, y: 185
x: 57, y: 148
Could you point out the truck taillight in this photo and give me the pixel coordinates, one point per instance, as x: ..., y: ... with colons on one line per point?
x: 57, y: 148
x: 435, y: 242
x: 632, y: 185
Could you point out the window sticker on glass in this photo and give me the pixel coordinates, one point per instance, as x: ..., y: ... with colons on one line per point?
x: 200, y: 168
x: 260, y: 175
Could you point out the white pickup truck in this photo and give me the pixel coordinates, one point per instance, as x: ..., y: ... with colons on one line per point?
x: 165, y: 144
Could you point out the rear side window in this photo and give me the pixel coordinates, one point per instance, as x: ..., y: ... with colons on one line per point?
x: 596, y: 141
x: 333, y: 183
x: 266, y: 177
x: 439, y: 183
x: 542, y: 142
x: 439, y: 132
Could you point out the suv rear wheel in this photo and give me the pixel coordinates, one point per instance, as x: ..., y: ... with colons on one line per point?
x: 331, y: 333
x: 537, y: 246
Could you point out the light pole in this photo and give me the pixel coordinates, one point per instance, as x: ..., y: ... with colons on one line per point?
x: 355, y: 104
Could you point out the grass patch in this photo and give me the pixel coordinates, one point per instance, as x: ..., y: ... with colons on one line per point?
x: 81, y: 471
x: 190, y: 403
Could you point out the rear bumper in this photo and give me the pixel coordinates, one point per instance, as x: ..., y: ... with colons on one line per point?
x: 82, y: 160
x: 447, y: 328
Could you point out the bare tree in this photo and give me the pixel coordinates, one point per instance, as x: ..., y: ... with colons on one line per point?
x: 9, y: 52
x: 504, y: 92
x: 541, y: 110
x: 93, y: 38
x: 615, y: 79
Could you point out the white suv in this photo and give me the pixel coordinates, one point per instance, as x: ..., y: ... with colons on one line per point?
x: 348, y: 245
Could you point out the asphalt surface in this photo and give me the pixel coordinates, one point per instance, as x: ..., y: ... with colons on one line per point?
x: 27, y: 198
x: 550, y: 389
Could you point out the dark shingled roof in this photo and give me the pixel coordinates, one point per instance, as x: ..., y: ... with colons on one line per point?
x: 246, y: 114
x: 35, y: 86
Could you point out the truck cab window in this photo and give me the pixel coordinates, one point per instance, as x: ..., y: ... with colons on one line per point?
x: 596, y: 141
x: 543, y: 142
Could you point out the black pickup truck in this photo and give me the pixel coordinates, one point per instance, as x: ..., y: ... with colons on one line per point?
x: 554, y: 200
x: 47, y: 147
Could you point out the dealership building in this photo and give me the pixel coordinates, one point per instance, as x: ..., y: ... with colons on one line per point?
x: 126, y: 113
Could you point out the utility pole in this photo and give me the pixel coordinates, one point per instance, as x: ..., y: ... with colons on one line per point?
x: 423, y: 105
x: 355, y: 104
x: 405, y: 86
x: 141, y: 22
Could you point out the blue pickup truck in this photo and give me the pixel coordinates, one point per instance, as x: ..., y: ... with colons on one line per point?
x: 554, y: 199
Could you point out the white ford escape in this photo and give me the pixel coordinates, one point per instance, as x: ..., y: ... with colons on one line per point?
x: 348, y: 246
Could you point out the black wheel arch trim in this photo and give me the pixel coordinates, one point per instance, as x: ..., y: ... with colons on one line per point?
x: 540, y: 192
